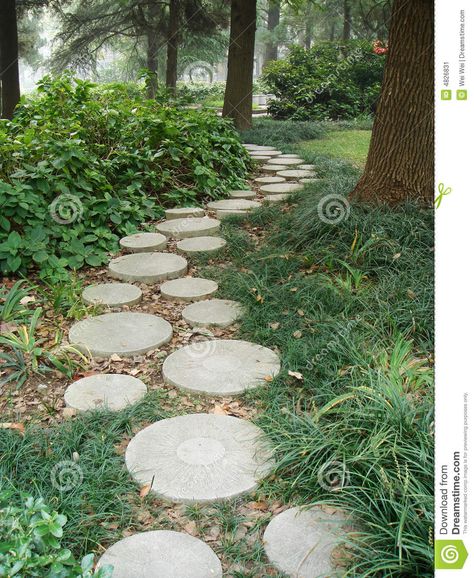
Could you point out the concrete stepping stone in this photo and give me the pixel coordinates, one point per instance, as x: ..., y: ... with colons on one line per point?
x: 212, y: 313
x: 306, y: 180
x: 269, y: 180
x: 220, y: 367
x: 196, y: 245
x: 112, y: 294
x: 276, y: 198
x: 189, y: 227
x: 242, y: 194
x: 300, y: 542
x: 273, y: 168
x: 307, y: 167
x: 293, y: 174
x: 199, y: 457
x: 148, y: 267
x: 143, y: 242
x: 281, y: 188
x: 255, y: 147
x: 126, y: 334
x: 161, y: 554
x: 261, y: 158
x: 289, y: 162
x: 266, y: 152
x: 104, y: 391
x: 188, y: 289
x: 183, y: 212
x: 233, y: 205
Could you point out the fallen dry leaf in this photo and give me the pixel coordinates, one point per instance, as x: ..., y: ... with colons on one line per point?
x: 13, y: 425
x: 145, y: 490
x: 296, y: 374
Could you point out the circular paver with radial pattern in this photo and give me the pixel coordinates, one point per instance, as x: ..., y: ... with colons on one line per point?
x: 112, y: 294
x: 148, y: 267
x: 199, y: 457
x: 212, y: 313
x: 233, y: 205
x: 188, y: 289
x: 183, y: 212
x: 162, y: 554
x: 269, y: 180
x: 293, y: 174
x: 126, y: 334
x: 220, y: 367
x: 289, y: 162
x: 300, y: 542
x: 242, y: 194
x: 196, y: 245
x: 111, y: 391
x: 143, y: 242
x: 281, y: 188
x: 189, y: 227
x: 273, y: 168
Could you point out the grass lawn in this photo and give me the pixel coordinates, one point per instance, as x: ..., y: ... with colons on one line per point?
x: 352, y: 145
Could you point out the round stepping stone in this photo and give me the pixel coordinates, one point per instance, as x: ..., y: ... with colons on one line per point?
x: 125, y: 334
x: 188, y: 289
x: 290, y: 156
x: 163, y: 554
x: 261, y: 158
x: 220, y: 367
x: 201, y: 245
x: 143, y: 242
x: 273, y: 168
x: 293, y: 174
x: 289, y: 162
x: 269, y: 180
x: 112, y: 294
x: 254, y: 147
x: 242, y: 194
x: 233, y: 205
x: 183, y: 212
x: 305, y: 180
x: 148, y: 267
x: 189, y: 227
x: 212, y: 313
x: 110, y: 391
x: 266, y: 152
x: 276, y: 198
x: 300, y: 542
x: 199, y: 457
x: 281, y: 188
x: 307, y: 167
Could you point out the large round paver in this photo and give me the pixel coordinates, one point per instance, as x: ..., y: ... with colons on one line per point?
x: 254, y: 147
x: 293, y: 174
x: 269, y: 180
x: 126, y: 334
x: 189, y: 227
x: 162, y: 554
x: 307, y: 167
x: 273, y: 168
x: 201, y: 245
x: 148, y: 267
x: 199, y: 457
x: 109, y: 390
x: 183, y: 212
x: 289, y: 162
x: 261, y: 158
x: 213, y: 312
x: 276, y: 198
x: 220, y: 367
x: 242, y: 194
x: 143, y: 242
x: 266, y: 152
x: 300, y: 542
x: 112, y: 294
x: 281, y: 188
x: 188, y: 289
x: 233, y: 205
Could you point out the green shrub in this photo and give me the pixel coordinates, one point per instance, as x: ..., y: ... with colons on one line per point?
x: 265, y: 131
x: 329, y: 81
x: 81, y: 166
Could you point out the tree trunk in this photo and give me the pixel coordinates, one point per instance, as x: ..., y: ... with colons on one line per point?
x: 172, y: 46
x: 238, y: 90
x: 271, y: 47
x: 400, y: 164
x: 346, y: 29
x: 9, y: 73
x: 152, y: 61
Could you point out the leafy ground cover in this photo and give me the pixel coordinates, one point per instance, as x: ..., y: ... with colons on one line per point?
x: 353, y: 145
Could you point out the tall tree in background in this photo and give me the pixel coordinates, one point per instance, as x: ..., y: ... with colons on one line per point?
x: 347, y: 26
x: 238, y: 90
x: 273, y: 20
x: 9, y: 71
x: 172, y: 45
x: 400, y: 164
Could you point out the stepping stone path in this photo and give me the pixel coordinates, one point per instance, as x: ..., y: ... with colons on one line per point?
x: 107, y: 390
x: 126, y: 334
x: 112, y: 294
x: 289, y: 156
x: 240, y: 205
x: 273, y: 168
x: 188, y: 289
x: 281, y: 188
x: 162, y: 554
x: 199, y: 457
x: 269, y: 180
x: 143, y: 242
x: 261, y: 158
x: 280, y: 161
x: 242, y: 194
x: 266, y: 152
x: 307, y: 167
x: 183, y: 212
x: 220, y: 367
x: 196, y: 245
x: 213, y: 312
x: 148, y: 267
x: 189, y: 227
x: 293, y: 174
x: 300, y: 542
x: 277, y: 198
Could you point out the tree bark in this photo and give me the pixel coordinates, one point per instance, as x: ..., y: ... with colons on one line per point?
x: 271, y: 47
x: 172, y: 46
x: 238, y: 91
x: 152, y: 61
x: 400, y: 164
x: 347, y: 27
x: 9, y: 72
